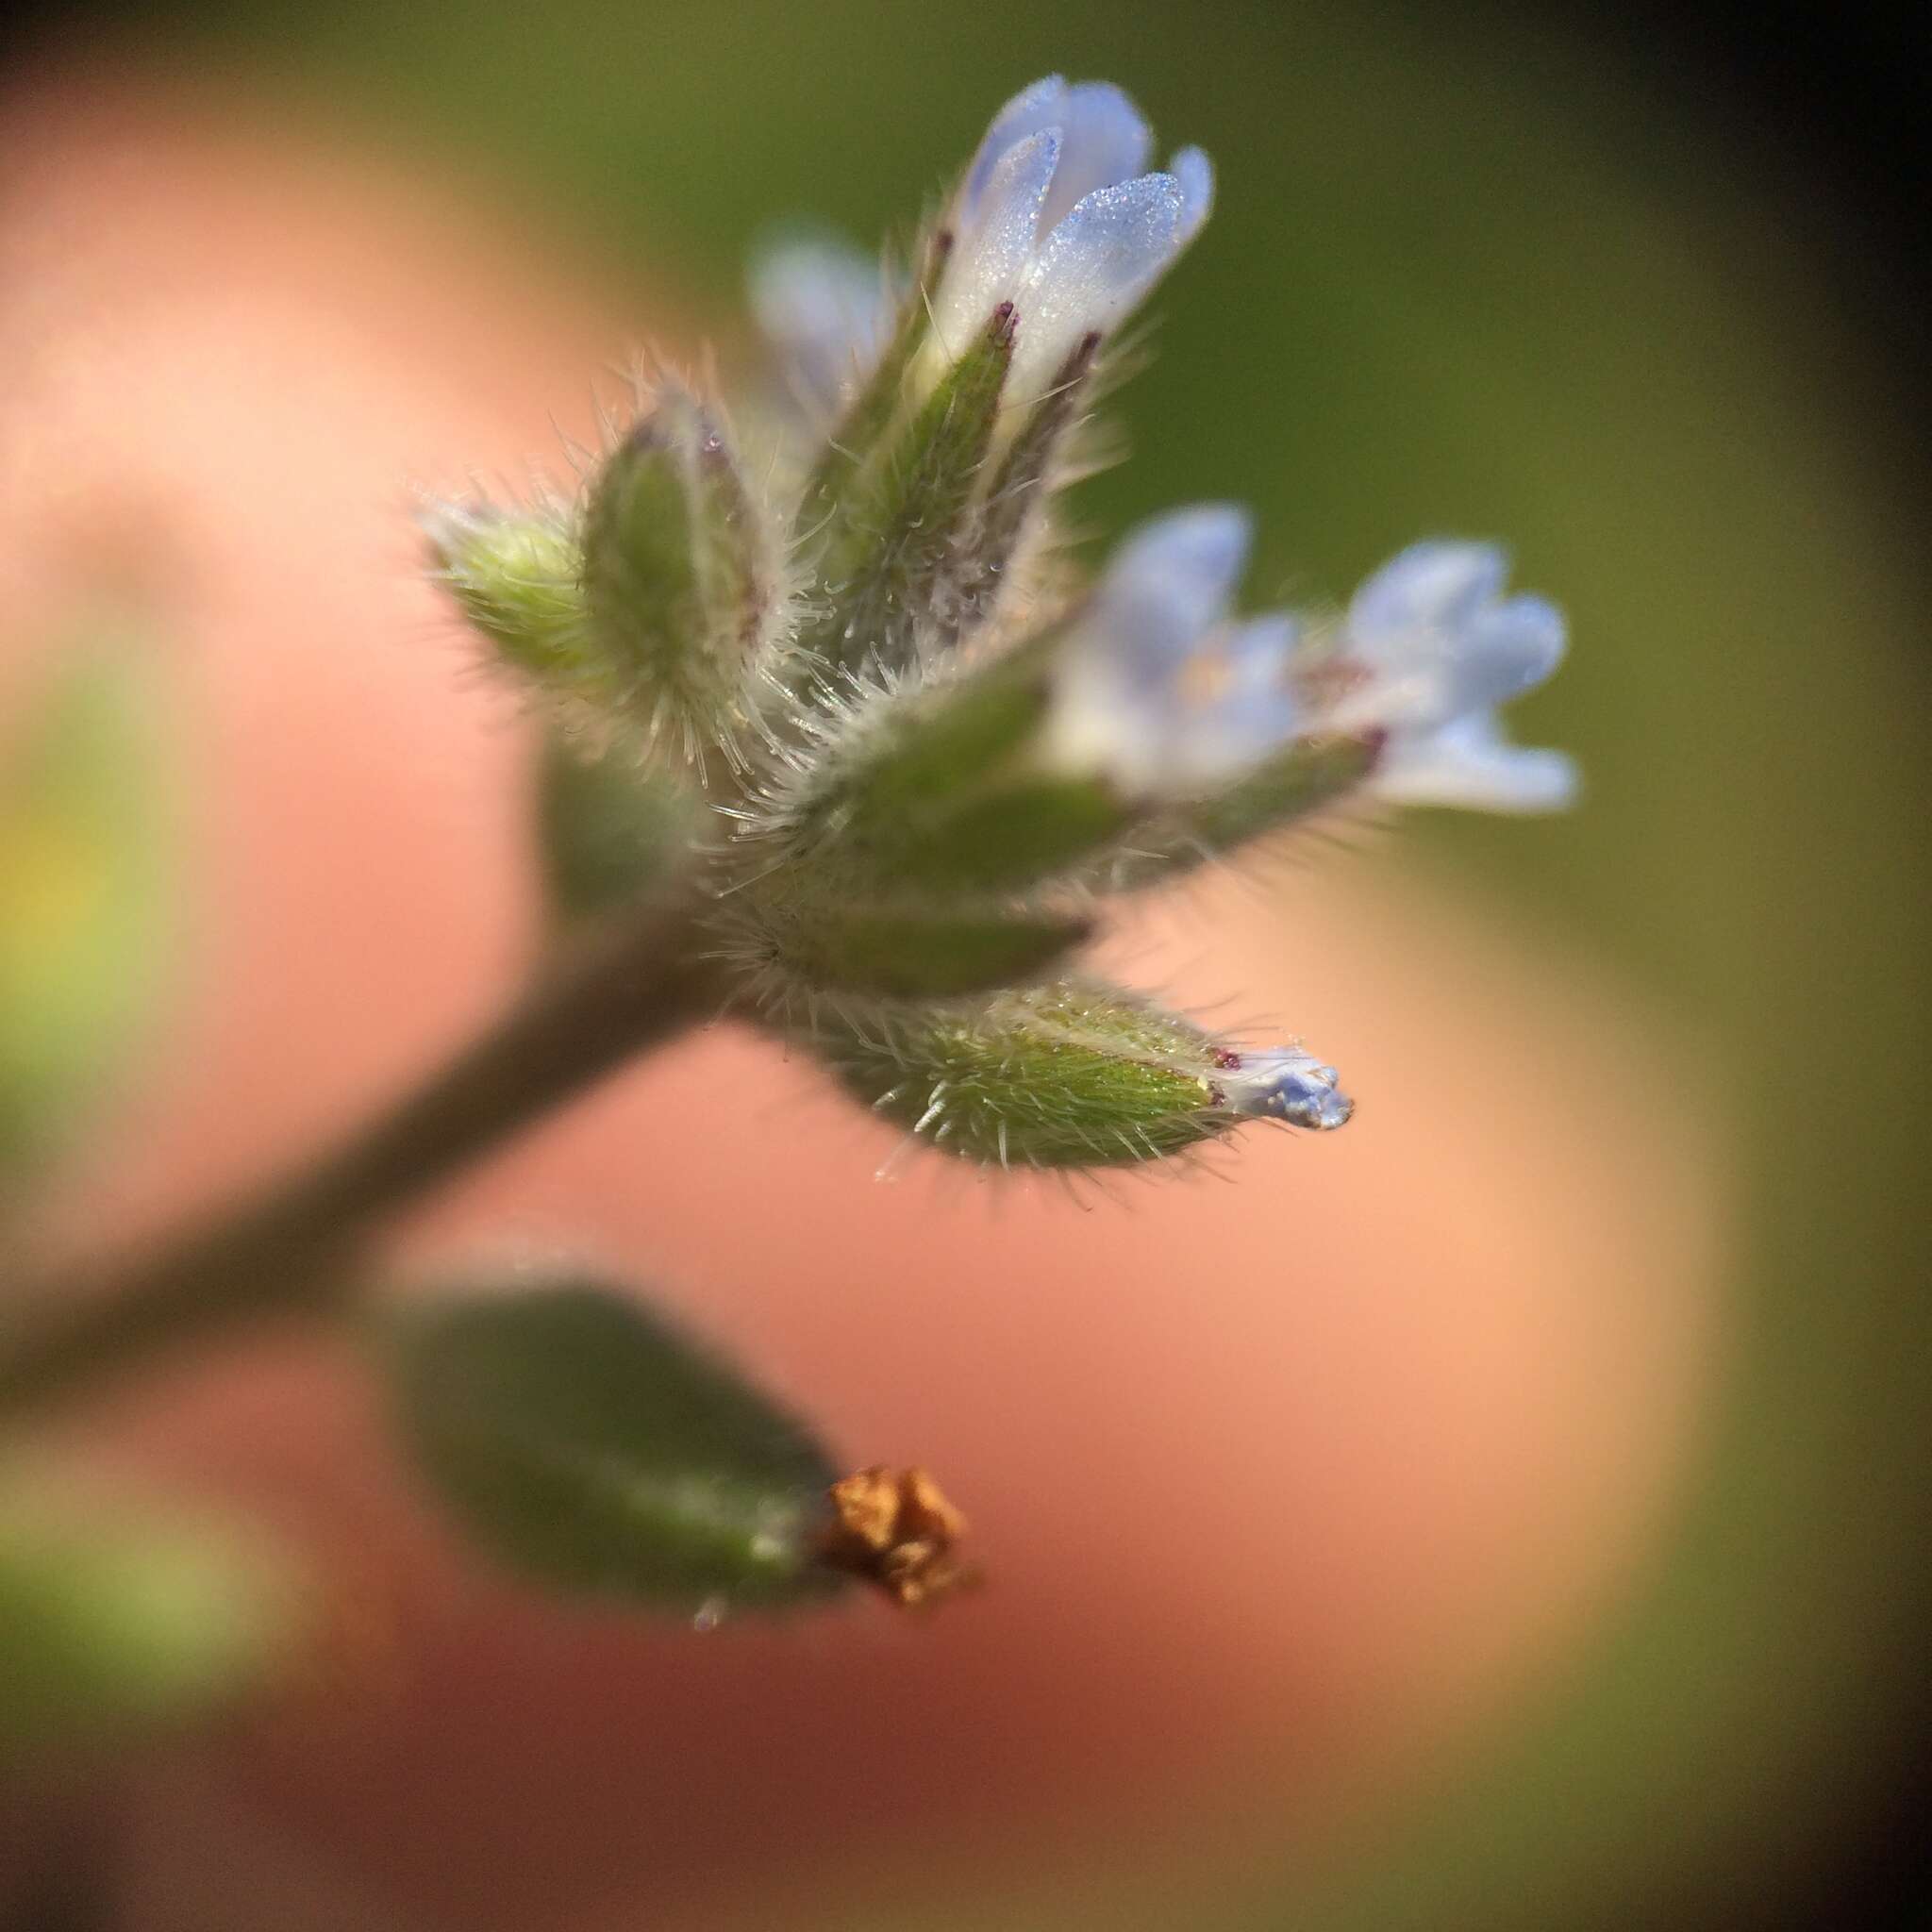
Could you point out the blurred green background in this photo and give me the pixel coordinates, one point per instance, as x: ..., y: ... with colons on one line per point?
x: 1466, y: 276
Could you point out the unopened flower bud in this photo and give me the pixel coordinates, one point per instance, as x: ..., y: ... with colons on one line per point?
x: 518, y: 576
x: 1072, y: 1075
x: 1284, y: 1084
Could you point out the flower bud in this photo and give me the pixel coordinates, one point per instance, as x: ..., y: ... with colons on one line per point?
x: 679, y: 581
x: 517, y: 576
x: 1074, y: 1074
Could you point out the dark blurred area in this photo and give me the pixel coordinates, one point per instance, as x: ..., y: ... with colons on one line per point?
x: 1654, y: 311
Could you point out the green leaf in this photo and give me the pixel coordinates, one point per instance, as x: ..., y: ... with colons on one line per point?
x: 610, y: 828
x: 107, y: 1627
x: 84, y: 878
x: 586, y: 1442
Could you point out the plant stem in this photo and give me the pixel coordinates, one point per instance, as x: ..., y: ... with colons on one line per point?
x: 631, y: 987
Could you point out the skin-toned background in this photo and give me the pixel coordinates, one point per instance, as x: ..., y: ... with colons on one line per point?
x: 1512, y: 1450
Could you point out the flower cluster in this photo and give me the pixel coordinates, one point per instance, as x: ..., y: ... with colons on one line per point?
x: 864, y: 711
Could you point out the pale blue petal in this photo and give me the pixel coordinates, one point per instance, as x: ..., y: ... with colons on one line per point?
x: 824, y: 307
x: 1507, y: 650
x: 1094, y: 267
x: 1194, y: 171
x: 1432, y: 585
x: 1209, y: 746
x: 1254, y: 711
x: 1115, y: 704
x: 990, y: 258
x: 1289, y: 1085
x: 1169, y: 580
x: 1470, y: 763
x: 1102, y: 142
x: 1259, y: 653
x: 1032, y: 110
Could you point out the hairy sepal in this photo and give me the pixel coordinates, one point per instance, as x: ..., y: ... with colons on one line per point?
x: 1072, y: 1074
x: 938, y: 789
x: 517, y: 575
x: 681, y: 584
x: 876, y: 406
x: 1303, y: 781
x: 883, y: 553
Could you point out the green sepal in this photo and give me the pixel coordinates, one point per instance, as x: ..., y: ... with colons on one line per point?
x: 111, y: 1626
x: 943, y: 790
x: 517, y: 575
x: 876, y: 406
x: 610, y: 826
x: 1072, y: 1075
x: 85, y: 846
x: 587, y: 1443
x: 679, y: 581
x: 887, y: 543
x: 906, y: 952
x: 1302, y: 779
x: 1011, y: 835
x: 1017, y: 499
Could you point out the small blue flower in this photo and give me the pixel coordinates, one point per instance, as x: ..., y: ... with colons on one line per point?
x: 1055, y: 216
x: 1160, y: 689
x: 1156, y: 685
x: 1437, y: 648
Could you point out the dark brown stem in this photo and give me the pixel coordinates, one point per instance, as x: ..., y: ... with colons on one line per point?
x: 627, y: 989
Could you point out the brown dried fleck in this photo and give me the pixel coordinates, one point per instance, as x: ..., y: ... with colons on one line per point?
x: 896, y: 1529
